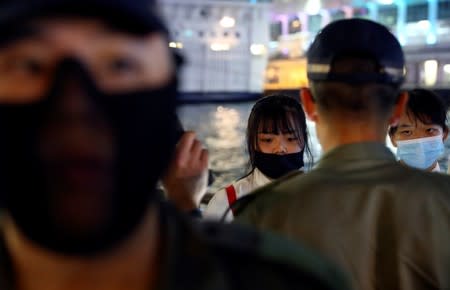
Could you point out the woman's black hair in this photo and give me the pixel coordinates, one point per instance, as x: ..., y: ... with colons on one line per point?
x: 427, y: 107
x: 274, y: 114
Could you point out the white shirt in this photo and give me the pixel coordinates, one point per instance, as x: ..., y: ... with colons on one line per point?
x: 437, y: 168
x: 219, y: 204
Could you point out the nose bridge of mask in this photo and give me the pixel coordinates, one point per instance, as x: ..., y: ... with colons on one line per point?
x: 71, y: 76
x: 420, y: 140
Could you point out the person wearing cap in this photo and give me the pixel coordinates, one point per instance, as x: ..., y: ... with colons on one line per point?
x: 88, y: 95
x: 386, y: 224
x: 421, y: 131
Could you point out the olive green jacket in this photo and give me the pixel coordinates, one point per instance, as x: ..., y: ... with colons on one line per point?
x: 385, y: 224
x: 199, y: 255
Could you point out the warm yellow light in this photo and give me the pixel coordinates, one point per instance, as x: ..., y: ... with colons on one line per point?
x: 296, y: 24
x: 227, y: 22
x: 258, y: 49
x: 447, y: 68
x: 178, y: 45
x: 217, y: 46
x: 430, y: 72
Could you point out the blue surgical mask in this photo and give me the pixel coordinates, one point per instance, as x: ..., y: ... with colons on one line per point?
x: 421, y: 152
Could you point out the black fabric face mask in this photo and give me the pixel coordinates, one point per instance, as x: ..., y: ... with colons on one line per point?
x: 143, y: 126
x: 274, y: 165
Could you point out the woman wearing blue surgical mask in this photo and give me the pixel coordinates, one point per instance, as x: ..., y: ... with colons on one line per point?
x: 421, y: 131
x: 277, y: 140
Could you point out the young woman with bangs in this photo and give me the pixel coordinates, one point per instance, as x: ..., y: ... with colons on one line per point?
x: 277, y: 140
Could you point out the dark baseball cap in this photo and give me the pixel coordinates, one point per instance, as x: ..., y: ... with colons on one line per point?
x: 140, y: 16
x: 356, y: 38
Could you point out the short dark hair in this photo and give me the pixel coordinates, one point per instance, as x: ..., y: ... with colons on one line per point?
x: 427, y: 107
x: 273, y: 114
x: 355, y: 98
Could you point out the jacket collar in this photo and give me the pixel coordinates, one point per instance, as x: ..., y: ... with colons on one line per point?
x: 351, y: 156
x: 259, y: 179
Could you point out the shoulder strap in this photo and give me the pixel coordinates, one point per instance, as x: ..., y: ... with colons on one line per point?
x: 231, y: 196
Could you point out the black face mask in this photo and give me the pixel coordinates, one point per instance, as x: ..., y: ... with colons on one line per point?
x: 144, y: 128
x: 275, y: 165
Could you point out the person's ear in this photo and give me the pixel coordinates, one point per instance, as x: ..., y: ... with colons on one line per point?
x: 445, y: 134
x: 399, y: 109
x: 309, y: 106
x: 391, y: 137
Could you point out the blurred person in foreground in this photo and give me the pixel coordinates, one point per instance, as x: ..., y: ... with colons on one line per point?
x: 87, y: 104
x: 386, y: 224
x: 421, y: 131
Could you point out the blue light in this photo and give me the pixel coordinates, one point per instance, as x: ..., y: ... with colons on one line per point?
x: 431, y: 39
x: 273, y: 44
